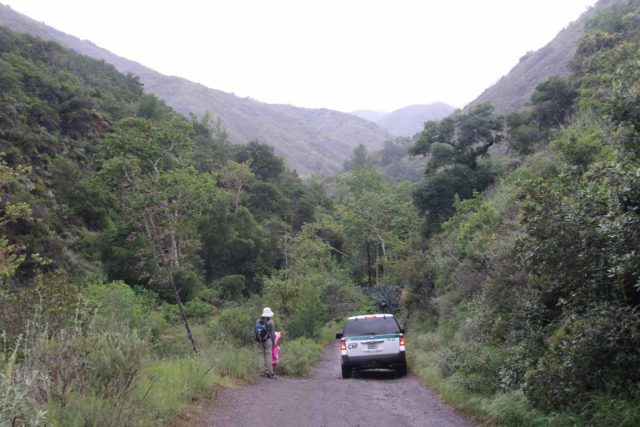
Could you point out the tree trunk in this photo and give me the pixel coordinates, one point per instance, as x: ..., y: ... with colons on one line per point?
x: 368, y: 263
x: 182, y: 313
x: 168, y: 264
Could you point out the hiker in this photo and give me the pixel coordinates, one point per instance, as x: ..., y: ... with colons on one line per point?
x: 265, y: 339
x: 275, y: 353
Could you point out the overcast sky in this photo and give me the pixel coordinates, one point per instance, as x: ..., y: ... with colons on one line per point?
x: 338, y: 54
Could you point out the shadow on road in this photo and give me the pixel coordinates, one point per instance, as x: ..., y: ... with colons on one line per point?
x: 376, y: 374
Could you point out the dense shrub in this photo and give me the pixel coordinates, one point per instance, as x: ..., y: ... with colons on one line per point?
x: 299, y: 356
x: 198, y: 310
x: 236, y: 323
x: 598, y: 350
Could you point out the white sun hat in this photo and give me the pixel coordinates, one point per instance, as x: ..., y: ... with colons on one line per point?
x: 267, y: 312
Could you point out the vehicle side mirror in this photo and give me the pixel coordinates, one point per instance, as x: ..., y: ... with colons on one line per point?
x: 339, y: 334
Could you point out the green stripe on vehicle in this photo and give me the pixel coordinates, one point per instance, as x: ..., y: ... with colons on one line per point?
x: 369, y: 337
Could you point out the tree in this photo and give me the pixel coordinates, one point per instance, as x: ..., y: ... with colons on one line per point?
x: 11, y: 254
x: 378, y: 220
x: 455, y: 146
x: 552, y: 102
x: 459, y: 139
x: 359, y: 160
x: 144, y: 165
x: 265, y: 165
x: 235, y: 176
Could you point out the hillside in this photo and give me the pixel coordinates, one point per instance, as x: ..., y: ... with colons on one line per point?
x: 512, y: 91
x: 406, y: 121
x: 311, y: 140
x: 410, y: 120
x: 371, y: 115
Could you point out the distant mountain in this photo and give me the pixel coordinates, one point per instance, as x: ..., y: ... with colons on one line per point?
x: 512, y: 91
x: 409, y: 120
x: 312, y: 140
x: 371, y: 115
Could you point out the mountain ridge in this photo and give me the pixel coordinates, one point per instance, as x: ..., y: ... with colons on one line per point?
x: 406, y: 121
x: 300, y: 135
x: 513, y: 90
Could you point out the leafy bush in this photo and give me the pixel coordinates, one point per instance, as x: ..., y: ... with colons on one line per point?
x: 235, y: 324
x: 231, y: 288
x: 579, y: 145
x: 198, y: 309
x: 116, y: 302
x: 113, y: 362
x: 308, y: 315
x: 386, y: 297
x: 597, y: 351
x: 299, y: 356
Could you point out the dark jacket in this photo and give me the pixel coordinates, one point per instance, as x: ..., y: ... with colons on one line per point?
x: 271, y: 329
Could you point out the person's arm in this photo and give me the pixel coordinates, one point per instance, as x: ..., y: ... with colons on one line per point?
x: 272, y: 332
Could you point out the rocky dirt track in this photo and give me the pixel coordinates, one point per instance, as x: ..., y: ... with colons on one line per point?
x: 374, y: 398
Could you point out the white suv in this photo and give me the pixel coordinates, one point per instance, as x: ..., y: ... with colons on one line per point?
x: 372, y: 341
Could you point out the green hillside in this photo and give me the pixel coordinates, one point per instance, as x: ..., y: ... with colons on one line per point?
x: 527, y: 297
x: 313, y: 141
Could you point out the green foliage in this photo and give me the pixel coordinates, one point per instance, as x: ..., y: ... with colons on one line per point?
x: 308, y: 314
x: 579, y: 146
x: 552, y: 102
x: 231, y: 288
x: 105, y: 185
x: 116, y: 302
x: 386, y: 298
x: 435, y: 196
x: 532, y: 287
x: 595, y: 350
x: 235, y: 323
x: 460, y: 139
x: 237, y: 362
x: 299, y: 356
x: 456, y: 146
x: 263, y: 162
x: 16, y: 405
x: 198, y: 310
x: 359, y: 160
x: 166, y: 386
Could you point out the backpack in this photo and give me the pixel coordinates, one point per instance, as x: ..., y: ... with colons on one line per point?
x: 262, y: 330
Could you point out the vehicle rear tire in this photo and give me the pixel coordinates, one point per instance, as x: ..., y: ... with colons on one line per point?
x: 346, y: 371
x: 402, y: 370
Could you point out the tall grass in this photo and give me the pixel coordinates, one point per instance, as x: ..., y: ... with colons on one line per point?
x: 299, y: 356
x: 237, y: 362
x: 107, y: 368
x: 166, y: 386
x: 510, y: 408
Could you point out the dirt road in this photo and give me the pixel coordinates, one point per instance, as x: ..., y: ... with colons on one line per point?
x: 375, y: 398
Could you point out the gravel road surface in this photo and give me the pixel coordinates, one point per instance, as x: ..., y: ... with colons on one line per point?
x: 375, y: 398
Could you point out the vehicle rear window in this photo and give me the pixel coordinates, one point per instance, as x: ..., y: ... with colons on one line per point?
x: 371, y: 326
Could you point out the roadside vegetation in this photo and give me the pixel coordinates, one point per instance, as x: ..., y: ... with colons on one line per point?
x: 138, y: 247
x: 528, y: 314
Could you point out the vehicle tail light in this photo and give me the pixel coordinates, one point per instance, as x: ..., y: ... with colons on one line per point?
x: 401, y: 340
x: 343, y: 345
